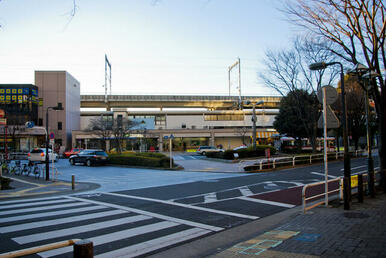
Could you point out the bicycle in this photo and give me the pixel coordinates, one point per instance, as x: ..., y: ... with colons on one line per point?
x: 16, y: 169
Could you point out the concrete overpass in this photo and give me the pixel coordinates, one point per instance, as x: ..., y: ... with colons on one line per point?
x: 173, y: 101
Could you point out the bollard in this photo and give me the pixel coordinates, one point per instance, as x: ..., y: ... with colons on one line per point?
x: 83, y: 249
x: 73, y: 182
x: 360, y: 188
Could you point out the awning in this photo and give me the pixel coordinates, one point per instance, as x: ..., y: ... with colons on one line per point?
x: 265, y: 134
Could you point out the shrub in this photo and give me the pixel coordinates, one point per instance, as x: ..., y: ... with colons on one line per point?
x: 145, y: 159
x: 5, y: 183
x: 249, y: 152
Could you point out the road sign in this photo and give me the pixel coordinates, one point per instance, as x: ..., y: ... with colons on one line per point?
x: 172, y: 136
x: 331, y: 94
x: 52, y: 135
x: 29, y: 124
x: 332, y: 120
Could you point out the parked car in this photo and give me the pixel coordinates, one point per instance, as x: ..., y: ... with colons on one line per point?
x: 240, y: 147
x: 204, y: 149
x: 89, y: 157
x: 39, y: 155
x: 73, y: 151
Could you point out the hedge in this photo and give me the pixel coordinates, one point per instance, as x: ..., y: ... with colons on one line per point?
x: 145, y: 159
x: 5, y: 183
x: 243, y: 153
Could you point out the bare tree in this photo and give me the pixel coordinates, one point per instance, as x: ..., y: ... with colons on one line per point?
x: 121, y: 129
x: 102, y: 127
x: 357, y: 29
x: 287, y: 72
x: 242, y: 131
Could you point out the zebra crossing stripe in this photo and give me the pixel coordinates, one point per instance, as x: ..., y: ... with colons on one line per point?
x: 37, y: 203
x: 35, y: 200
x: 245, y: 191
x: 155, y: 244
x: 108, y: 238
x: 46, y: 223
x: 286, y: 205
x: 42, y: 208
x: 186, y: 206
x: 151, y: 214
x: 210, y: 197
x: 79, y: 229
x: 52, y: 213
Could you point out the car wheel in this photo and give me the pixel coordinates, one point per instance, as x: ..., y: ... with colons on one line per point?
x: 88, y: 163
x: 203, y: 153
x: 72, y: 162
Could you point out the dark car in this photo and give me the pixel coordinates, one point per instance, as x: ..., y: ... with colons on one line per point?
x: 89, y: 157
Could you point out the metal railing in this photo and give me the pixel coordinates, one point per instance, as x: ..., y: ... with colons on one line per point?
x: 38, y: 249
x: 339, y: 189
x: 300, y: 160
x: 305, y: 199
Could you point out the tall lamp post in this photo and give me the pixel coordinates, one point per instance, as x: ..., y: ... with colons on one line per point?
x: 247, y: 102
x: 346, y: 155
x: 59, y: 107
x: 366, y: 75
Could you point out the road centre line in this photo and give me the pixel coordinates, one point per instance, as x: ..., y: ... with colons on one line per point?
x: 155, y: 215
x: 322, y: 174
x: 354, y: 167
x: 266, y: 202
x: 186, y: 206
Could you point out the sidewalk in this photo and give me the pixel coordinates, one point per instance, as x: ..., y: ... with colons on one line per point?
x: 322, y: 232
x: 28, y: 186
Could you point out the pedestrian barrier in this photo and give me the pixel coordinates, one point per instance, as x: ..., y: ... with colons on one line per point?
x: 305, y: 198
x: 356, y: 182
x: 297, y: 160
x: 82, y: 248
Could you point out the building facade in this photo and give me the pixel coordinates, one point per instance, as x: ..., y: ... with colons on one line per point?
x: 59, y: 88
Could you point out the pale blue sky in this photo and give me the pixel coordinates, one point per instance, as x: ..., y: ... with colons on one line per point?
x: 172, y: 47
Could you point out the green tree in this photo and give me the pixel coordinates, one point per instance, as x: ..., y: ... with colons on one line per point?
x: 298, y: 115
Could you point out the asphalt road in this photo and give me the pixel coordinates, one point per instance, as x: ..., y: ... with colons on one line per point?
x: 148, y: 217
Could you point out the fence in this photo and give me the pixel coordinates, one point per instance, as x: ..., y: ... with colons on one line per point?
x: 298, y: 160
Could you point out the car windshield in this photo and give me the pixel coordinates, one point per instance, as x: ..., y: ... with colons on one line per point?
x: 86, y: 152
x: 102, y: 153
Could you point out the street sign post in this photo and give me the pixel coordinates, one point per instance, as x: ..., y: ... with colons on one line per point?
x: 52, y: 135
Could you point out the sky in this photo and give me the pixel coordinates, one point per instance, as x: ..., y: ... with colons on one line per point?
x: 176, y: 47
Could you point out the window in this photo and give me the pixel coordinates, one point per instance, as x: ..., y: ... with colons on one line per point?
x: 183, y: 126
x: 59, y: 125
x: 230, y: 117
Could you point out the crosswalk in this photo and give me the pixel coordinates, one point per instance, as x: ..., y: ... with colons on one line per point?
x: 114, y: 230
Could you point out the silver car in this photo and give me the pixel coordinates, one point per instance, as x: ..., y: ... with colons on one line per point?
x: 39, y: 155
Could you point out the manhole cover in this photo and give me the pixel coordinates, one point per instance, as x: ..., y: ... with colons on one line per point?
x: 355, y: 215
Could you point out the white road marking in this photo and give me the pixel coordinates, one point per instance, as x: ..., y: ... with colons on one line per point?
x: 78, y: 229
x: 52, y: 213
x: 37, y: 203
x: 185, y: 206
x: 46, y: 223
x: 210, y: 197
x: 245, y: 191
x: 321, y: 174
x: 151, y: 214
x: 25, y: 201
x: 155, y: 244
x: 342, y: 169
x: 41, y: 208
x: 286, y: 205
x: 108, y: 238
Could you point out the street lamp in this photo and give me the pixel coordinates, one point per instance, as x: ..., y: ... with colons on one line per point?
x: 346, y: 155
x: 247, y: 102
x: 366, y: 75
x: 58, y: 107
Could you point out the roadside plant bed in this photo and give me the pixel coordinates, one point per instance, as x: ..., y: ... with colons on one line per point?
x: 242, y: 153
x: 5, y: 183
x: 144, y: 159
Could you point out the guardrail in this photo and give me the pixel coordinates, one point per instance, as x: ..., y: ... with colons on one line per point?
x: 298, y: 160
x: 82, y: 249
x: 339, y: 189
x: 305, y: 199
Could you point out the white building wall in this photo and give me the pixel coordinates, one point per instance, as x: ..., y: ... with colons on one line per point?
x: 72, y: 107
